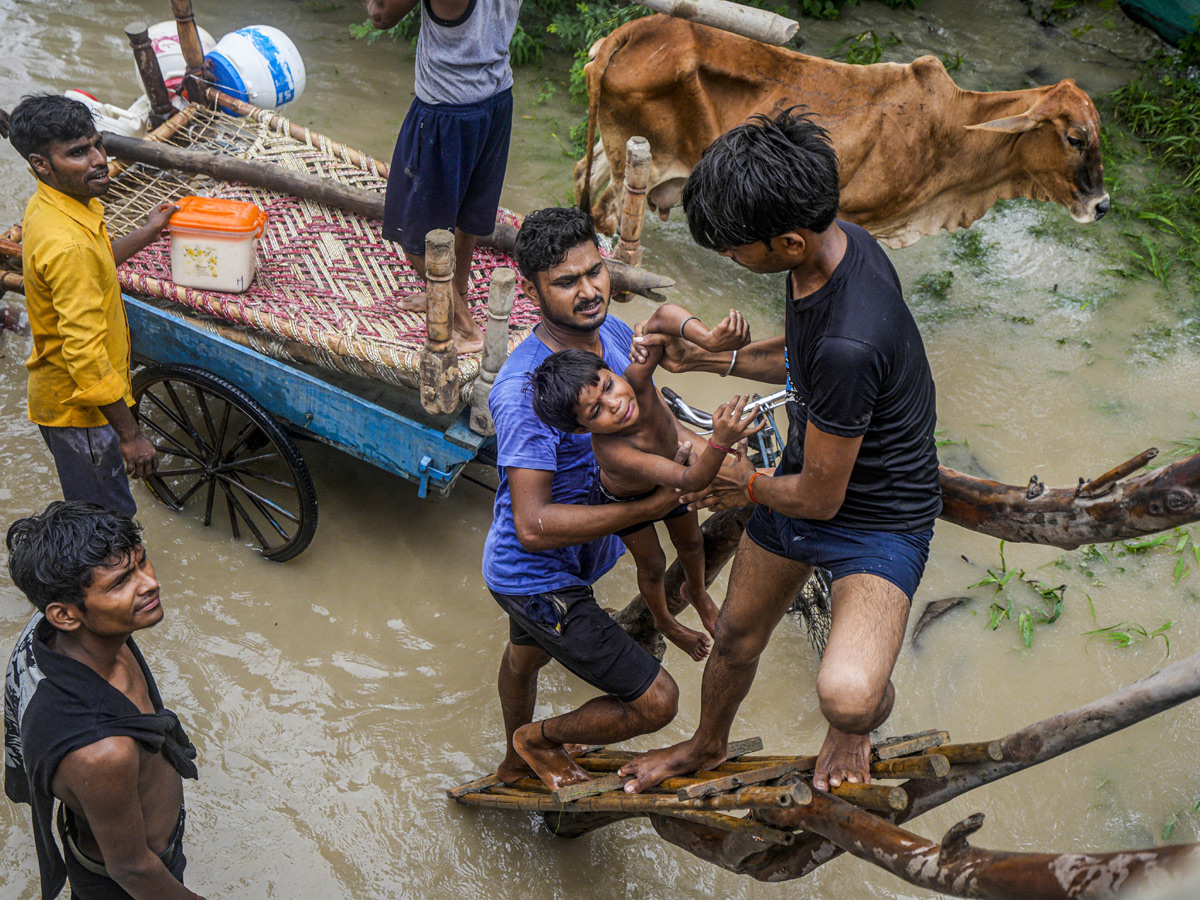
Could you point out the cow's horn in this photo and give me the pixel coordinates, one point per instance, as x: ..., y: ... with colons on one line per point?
x: 1010, y: 125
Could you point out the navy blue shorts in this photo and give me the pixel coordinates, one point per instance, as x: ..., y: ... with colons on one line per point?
x: 447, y: 170
x: 570, y: 625
x: 895, y: 556
x: 599, y: 496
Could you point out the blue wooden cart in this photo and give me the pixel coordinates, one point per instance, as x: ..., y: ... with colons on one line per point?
x: 223, y: 418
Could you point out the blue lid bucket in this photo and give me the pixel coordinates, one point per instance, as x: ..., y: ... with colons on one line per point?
x: 260, y: 65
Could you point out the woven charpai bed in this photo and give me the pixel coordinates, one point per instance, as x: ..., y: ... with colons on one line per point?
x: 327, y: 281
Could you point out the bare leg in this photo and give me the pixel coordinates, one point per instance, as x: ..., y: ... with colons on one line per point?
x: 468, y: 336
x: 689, y: 547
x: 651, y: 567
x: 602, y: 720
x: 854, y: 682
x: 761, y: 587
x: 517, y: 685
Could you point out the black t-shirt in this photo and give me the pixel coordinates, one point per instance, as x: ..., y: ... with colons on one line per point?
x: 856, y: 366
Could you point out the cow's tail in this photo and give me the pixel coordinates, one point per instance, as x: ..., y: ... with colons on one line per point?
x: 595, y: 77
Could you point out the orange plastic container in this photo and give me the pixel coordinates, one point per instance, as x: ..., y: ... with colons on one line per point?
x: 214, y: 243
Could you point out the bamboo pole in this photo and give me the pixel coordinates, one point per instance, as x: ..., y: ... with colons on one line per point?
x: 501, y: 293
x: 150, y: 73
x: 756, y: 24
x: 190, y: 46
x: 633, y: 206
x: 966, y: 754
x: 530, y: 794
x: 439, y: 360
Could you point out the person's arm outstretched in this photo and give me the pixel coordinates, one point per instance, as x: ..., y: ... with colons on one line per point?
x: 732, y: 333
x: 731, y: 423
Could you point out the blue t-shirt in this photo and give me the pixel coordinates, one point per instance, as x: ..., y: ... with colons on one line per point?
x: 525, y: 442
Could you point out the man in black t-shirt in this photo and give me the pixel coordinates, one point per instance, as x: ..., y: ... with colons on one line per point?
x: 857, y: 489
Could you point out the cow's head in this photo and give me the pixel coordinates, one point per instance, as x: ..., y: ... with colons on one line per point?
x: 1059, y: 148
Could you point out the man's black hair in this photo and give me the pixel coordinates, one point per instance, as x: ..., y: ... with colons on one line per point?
x: 763, y: 179
x: 547, y: 235
x: 42, y: 118
x: 557, y: 383
x: 51, y: 557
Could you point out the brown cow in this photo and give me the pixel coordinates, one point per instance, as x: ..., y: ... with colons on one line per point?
x: 917, y: 153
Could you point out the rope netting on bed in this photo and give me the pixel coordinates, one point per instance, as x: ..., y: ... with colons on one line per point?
x: 326, y: 278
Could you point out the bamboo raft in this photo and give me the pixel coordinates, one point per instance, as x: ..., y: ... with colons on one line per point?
x: 746, y: 781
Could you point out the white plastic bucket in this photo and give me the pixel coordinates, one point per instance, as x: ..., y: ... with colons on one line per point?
x: 129, y: 122
x: 259, y: 64
x: 164, y: 38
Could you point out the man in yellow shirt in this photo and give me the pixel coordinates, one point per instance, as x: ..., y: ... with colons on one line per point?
x: 79, y: 388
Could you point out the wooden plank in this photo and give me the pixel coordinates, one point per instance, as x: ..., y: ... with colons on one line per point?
x: 471, y: 787
x: 613, y: 782
x: 741, y: 748
x: 910, y: 744
x: 733, y: 782
x: 932, y: 765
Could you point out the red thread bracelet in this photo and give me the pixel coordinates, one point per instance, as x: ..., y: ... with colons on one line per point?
x: 750, y: 486
x: 719, y: 447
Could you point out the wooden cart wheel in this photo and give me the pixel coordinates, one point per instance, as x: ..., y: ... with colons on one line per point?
x: 220, y: 449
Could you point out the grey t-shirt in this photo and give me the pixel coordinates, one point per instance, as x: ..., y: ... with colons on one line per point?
x: 465, y: 60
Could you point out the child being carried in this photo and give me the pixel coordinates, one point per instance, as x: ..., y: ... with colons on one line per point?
x: 634, y: 439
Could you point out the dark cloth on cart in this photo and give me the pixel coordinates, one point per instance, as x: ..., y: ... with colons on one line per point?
x: 90, y: 466
x: 54, y: 705
x: 600, y: 495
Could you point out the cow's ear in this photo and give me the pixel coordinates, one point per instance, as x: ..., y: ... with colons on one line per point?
x: 1009, y: 125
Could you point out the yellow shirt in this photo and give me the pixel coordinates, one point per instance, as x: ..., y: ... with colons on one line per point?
x: 80, y: 358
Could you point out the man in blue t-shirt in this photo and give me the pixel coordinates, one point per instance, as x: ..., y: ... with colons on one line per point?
x: 547, y: 547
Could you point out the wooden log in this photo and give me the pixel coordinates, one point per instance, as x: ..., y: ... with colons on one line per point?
x: 967, y: 754
x: 1022, y: 749
x: 439, y: 360
x: 11, y: 281
x: 150, y: 73
x: 10, y: 248
x: 880, y: 797
x: 707, y: 786
x: 756, y: 24
x: 933, y: 765
x: 161, y: 134
x: 259, y: 174
x: 956, y: 868
x: 891, y: 748
x: 471, y: 787
x: 501, y: 293
x: 757, y: 797
x: 1105, y: 482
x: 1156, y: 501
x: 633, y: 205
x: 190, y: 46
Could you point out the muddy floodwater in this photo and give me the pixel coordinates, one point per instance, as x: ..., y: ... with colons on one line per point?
x: 333, y: 698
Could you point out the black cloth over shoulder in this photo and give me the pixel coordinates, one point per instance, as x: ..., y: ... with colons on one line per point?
x: 856, y: 367
x: 58, y: 706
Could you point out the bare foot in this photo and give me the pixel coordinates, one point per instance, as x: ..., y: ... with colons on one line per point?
x: 704, y: 605
x: 656, y: 766
x: 695, y: 644
x: 843, y: 757
x: 512, y: 770
x: 412, y: 302
x: 469, y: 340
x: 549, y: 761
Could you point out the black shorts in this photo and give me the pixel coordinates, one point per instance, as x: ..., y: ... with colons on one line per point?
x: 599, y: 495
x: 570, y: 625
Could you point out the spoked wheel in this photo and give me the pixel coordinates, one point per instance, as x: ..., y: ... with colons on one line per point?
x: 221, y: 451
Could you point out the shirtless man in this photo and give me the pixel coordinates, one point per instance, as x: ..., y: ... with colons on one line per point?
x: 450, y: 158
x: 83, y: 720
x: 857, y: 489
